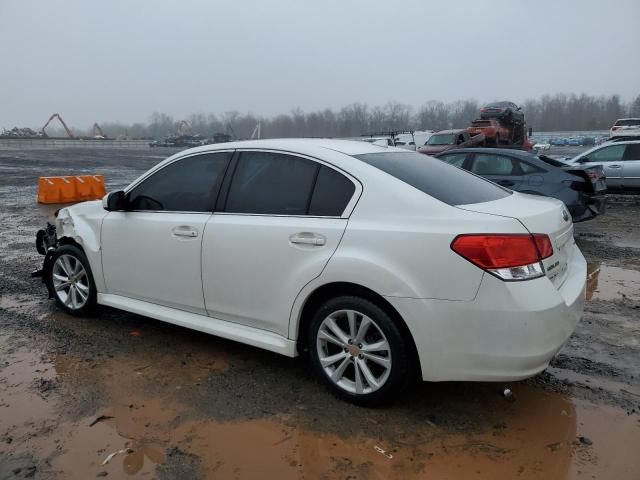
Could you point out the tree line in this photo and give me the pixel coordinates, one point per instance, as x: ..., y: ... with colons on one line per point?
x: 549, y: 113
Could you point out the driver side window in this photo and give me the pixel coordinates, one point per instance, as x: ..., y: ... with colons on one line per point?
x: 190, y: 184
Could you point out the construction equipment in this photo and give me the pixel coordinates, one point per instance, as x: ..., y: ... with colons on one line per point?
x: 183, y: 128
x: 77, y: 188
x: 97, y: 131
x: 257, y: 132
x: 56, y: 115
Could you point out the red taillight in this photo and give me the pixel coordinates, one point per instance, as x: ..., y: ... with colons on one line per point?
x: 508, y: 256
x: 543, y: 242
x: 613, y: 129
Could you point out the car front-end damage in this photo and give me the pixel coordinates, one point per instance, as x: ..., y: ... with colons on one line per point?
x: 46, y: 244
x: 76, y: 225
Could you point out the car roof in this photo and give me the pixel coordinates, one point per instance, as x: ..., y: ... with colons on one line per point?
x: 503, y: 151
x: 299, y: 145
x: 499, y: 104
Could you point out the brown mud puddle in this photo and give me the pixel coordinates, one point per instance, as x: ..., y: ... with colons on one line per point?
x: 155, y: 435
x: 605, y: 282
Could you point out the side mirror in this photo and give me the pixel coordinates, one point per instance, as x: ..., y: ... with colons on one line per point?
x: 583, y: 159
x: 114, y: 201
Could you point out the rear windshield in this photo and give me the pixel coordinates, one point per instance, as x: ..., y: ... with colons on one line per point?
x: 444, y: 139
x: 436, y: 178
x: 627, y: 122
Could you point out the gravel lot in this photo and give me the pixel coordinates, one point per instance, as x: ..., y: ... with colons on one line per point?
x: 174, y: 403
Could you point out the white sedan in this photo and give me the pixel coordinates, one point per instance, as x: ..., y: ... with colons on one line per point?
x: 383, y: 264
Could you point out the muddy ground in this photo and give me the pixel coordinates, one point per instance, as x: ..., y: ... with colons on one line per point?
x: 173, y: 403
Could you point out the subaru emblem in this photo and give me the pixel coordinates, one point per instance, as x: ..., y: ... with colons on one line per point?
x: 565, y: 215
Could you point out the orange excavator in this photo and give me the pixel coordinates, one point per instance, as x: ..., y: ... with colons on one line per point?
x: 56, y: 115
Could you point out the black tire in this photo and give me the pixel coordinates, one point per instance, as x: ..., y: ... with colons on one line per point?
x: 88, y: 306
x: 401, y: 372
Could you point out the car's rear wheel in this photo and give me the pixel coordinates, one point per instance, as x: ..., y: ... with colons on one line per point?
x: 359, y: 351
x: 72, y: 282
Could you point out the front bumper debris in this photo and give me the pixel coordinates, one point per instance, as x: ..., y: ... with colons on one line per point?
x: 46, y: 244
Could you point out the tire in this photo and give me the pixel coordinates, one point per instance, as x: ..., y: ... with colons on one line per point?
x: 356, y: 377
x: 78, y: 296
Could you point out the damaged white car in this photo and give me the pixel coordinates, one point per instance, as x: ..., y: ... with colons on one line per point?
x: 384, y: 265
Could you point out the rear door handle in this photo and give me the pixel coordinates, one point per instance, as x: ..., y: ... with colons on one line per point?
x: 307, y: 238
x: 615, y: 166
x: 184, y: 231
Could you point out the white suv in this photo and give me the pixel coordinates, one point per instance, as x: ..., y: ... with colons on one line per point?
x: 383, y: 264
x: 625, y: 127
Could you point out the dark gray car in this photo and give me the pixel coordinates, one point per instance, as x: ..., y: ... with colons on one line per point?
x: 580, y: 187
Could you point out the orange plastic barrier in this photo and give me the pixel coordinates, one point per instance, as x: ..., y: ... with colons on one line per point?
x: 77, y: 188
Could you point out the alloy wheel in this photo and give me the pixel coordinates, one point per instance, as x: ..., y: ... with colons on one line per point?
x: 353, y: 351
x: 70, y: 282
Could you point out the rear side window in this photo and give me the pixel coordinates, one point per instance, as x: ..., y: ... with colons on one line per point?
x: 331, y: 194
x: 446, y: 183
x: 455, y: 159
x: 490, y: 164
x: 271, y: 183
x: 528, y: 168
x: 187, y: 185
x: 632, y: 152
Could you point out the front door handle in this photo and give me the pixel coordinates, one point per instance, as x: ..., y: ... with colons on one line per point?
x: 615, y: 166
x: 307, y: 238
x: 184, y: 231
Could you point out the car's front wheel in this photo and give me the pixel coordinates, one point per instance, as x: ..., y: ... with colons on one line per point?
x: 359, y: 351
x: 71, y: 281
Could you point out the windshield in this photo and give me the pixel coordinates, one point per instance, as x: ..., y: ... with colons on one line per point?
x: 436, y: 178
x: 444, y: 139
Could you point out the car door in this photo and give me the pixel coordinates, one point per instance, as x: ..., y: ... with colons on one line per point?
x: 610, y: 157
x: 152, y: 250
x: 498, y: 168
x: 282, y: 219
x: 533, y: 178
x: 631, y: 166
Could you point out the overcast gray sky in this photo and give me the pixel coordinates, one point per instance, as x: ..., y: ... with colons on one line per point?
x: 121, y: 60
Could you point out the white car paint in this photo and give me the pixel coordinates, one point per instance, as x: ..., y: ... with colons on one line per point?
x: 392, y: 239
x: 542, y: 146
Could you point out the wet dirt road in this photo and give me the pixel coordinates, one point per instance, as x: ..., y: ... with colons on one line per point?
x: 123, y: 396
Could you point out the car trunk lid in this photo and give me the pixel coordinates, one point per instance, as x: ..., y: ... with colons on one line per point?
x: 538, y: 215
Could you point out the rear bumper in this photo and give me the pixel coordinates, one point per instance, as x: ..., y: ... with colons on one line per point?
x: 510, y: 331
x: 589, y: 206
